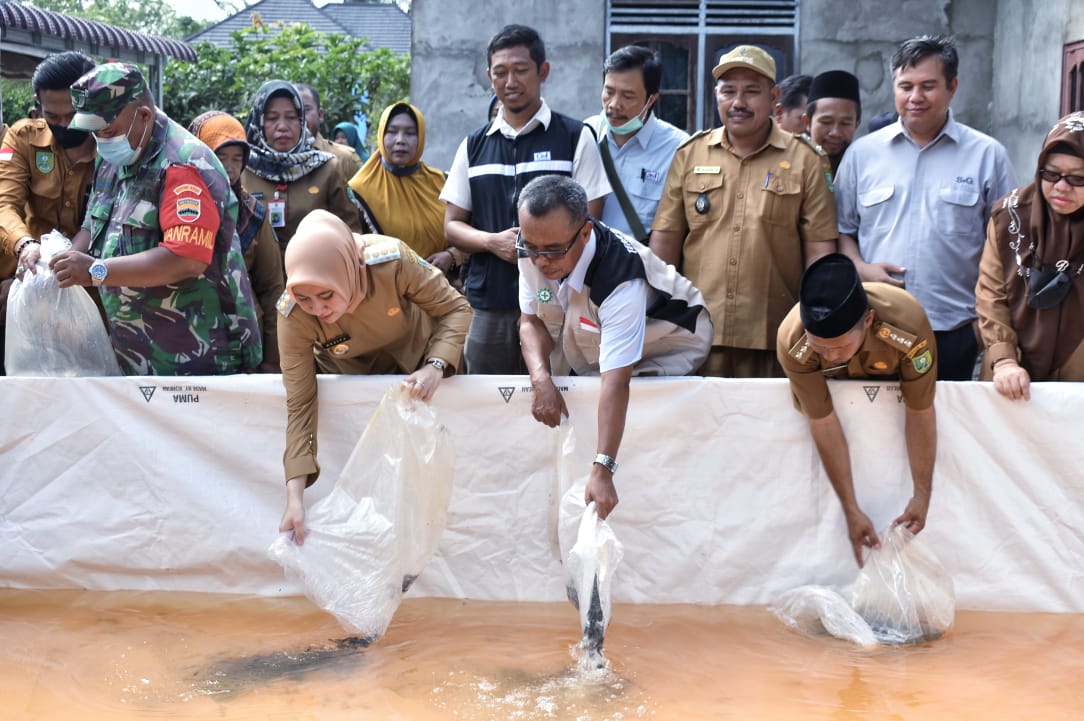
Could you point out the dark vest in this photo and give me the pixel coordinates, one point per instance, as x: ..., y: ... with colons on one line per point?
x: 498, y: 168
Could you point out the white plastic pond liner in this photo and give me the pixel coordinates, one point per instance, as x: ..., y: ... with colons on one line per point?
x: 177, y: 484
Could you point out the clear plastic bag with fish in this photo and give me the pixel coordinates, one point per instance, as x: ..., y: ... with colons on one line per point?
x: 902, y: 595
x: 368, y: 539
x: 53, y: 331
x: 590, y: 550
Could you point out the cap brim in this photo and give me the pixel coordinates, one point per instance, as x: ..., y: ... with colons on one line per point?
x: 87, y: 121
x: 724, y: 68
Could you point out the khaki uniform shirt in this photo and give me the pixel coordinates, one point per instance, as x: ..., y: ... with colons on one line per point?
x: 349, y: 160
x: 322, y: 188
x: 263, y: 260
x: 898, y: 344
x: 745, y: 221
x: 40, y: 189
x: 409, y: 314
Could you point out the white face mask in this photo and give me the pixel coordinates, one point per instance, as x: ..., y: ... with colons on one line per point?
x: 117, y: 150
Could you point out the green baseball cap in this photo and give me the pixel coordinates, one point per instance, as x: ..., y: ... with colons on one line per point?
x: 101, y: 94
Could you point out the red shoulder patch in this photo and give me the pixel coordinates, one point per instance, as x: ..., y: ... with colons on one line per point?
x: 188, y: 215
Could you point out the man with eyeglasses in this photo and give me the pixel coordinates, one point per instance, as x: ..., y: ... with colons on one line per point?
x: 597, y: 302
x: 913, y: 199
x: 159, y: 238
x: 844, y: 328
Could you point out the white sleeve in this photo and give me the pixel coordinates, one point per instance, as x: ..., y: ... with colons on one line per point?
x: 527, y: 302
x: 457, y: 185
x: 623, y: 316
x: 587, y: 168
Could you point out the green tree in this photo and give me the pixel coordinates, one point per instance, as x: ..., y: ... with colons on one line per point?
x: 350, y: 78
x: 18, y: 97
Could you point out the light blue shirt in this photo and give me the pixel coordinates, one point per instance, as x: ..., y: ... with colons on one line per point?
x: 641, y: 164
x: 925, y: 209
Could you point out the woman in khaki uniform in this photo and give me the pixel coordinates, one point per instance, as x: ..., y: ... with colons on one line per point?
x: 364, y: 304
x: 1030, y: 296
x: 284, y: 171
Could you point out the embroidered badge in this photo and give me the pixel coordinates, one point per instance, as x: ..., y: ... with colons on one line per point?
x: 337, y: 345
x: 880, y: 365
x: 784, y: 164
x: 44, y: 161
x: 545, y: 295
x: 313, y: 190
x: 189, y: 188
x: 1074, y: 123
x: 6, y: 154
x: 188, y: 209
x: 922, y: 362
x: 394, y: 311
x: 542, y: 155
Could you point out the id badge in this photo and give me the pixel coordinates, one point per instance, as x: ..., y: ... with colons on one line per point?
x: 276, y: 212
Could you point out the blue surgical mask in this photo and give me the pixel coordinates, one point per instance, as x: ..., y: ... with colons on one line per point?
x: 117, y: 150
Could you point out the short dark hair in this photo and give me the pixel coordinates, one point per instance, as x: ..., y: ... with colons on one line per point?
x: 60, y: 71
x: 632, y: 57
x: 511, y: 36
x: 793, y: 91
x: 549, y: 192
x: 303, y: 88
x: 811, y: 109
x: 915, y: 50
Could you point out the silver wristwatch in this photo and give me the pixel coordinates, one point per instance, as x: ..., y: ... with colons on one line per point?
x: 437, y: 363
x: 98, y: 271
x: 606, y: 462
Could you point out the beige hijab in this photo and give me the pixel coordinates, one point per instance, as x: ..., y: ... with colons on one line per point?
x: 326, y: 253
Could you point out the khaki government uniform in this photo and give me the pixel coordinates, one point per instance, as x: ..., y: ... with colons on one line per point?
x: 40, y: 189
x: 898, y: 344
x: 349, y: 160
x: 323, y: 188
x: 744, y: 251
x: 409, y: 314
x: 263, y: 260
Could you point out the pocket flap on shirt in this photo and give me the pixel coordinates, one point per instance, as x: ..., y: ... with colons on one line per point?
x: 959, y: 196
x: 876, y: 196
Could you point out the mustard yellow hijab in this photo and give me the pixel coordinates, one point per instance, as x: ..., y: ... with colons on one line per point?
x: 404, y: 201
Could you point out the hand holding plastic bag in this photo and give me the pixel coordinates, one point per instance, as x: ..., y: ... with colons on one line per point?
x: 53, y: 331
x: 901, y: 595
x: 373, y: 534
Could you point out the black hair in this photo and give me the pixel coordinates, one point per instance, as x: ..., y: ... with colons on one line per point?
x: 915, y: 50
x: 303, y: 88
x: 511, y: 36
x: 793, y: 91
x: 60, y: 71
x: 811, y: 109
x: 549, y: 192
x: 403, y: 109
x: 632, y: 57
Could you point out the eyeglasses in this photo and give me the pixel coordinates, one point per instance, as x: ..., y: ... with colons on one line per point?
x: 532, y: 253
x: 1077, y: 181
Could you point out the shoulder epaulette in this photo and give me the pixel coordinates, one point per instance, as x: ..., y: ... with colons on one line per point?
x: 805, y: 138
x: 800, y: 350
x: 893, y: 336
x: 694, y: 136
x: 382, y: 251
x: 285, y: 304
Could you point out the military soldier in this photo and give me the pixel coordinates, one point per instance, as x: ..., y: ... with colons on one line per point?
x: 159, y: 238
x: 842, y: 328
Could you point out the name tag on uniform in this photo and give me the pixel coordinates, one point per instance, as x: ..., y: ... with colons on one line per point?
x: 706, y: 169
x: 650, y: 176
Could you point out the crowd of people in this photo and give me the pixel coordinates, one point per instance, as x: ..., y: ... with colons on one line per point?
x: 779, y: 244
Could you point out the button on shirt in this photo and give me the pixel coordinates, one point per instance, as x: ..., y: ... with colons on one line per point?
x: 642, y: 164
x: 925, y: 209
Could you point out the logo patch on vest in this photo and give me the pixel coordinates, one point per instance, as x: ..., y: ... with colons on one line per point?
x: 188, y: 209
x: 542, y: 155
x: 545, y: 295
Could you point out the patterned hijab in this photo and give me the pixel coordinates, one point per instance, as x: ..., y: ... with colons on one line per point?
x: 324, y: 252
x: 404, y: 201
x: 268, y: 163
x: 1031, y: 232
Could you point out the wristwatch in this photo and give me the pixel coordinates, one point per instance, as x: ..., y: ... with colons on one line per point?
x: 437, y: 363
x: 98, y: 271
x: 606, y: 462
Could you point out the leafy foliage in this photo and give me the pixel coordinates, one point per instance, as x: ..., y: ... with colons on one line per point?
x: 350, y: 78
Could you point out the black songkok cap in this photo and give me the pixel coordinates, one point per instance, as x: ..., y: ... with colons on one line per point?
x: 831, y: 297
x: 835, y: 84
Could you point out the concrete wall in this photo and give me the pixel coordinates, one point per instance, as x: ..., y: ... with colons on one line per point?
x: 448, y: 79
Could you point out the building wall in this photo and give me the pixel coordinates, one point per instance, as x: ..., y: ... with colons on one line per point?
x: 448, y: 77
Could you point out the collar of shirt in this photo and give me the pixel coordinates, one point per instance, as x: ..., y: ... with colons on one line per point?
x: 950, y: 130
x: 777, y: 138
x: 576, y: 277
x: 643, y: 135
x: 541, y: 117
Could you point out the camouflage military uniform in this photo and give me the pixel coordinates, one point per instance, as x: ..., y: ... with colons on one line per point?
x: 175, y: 195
